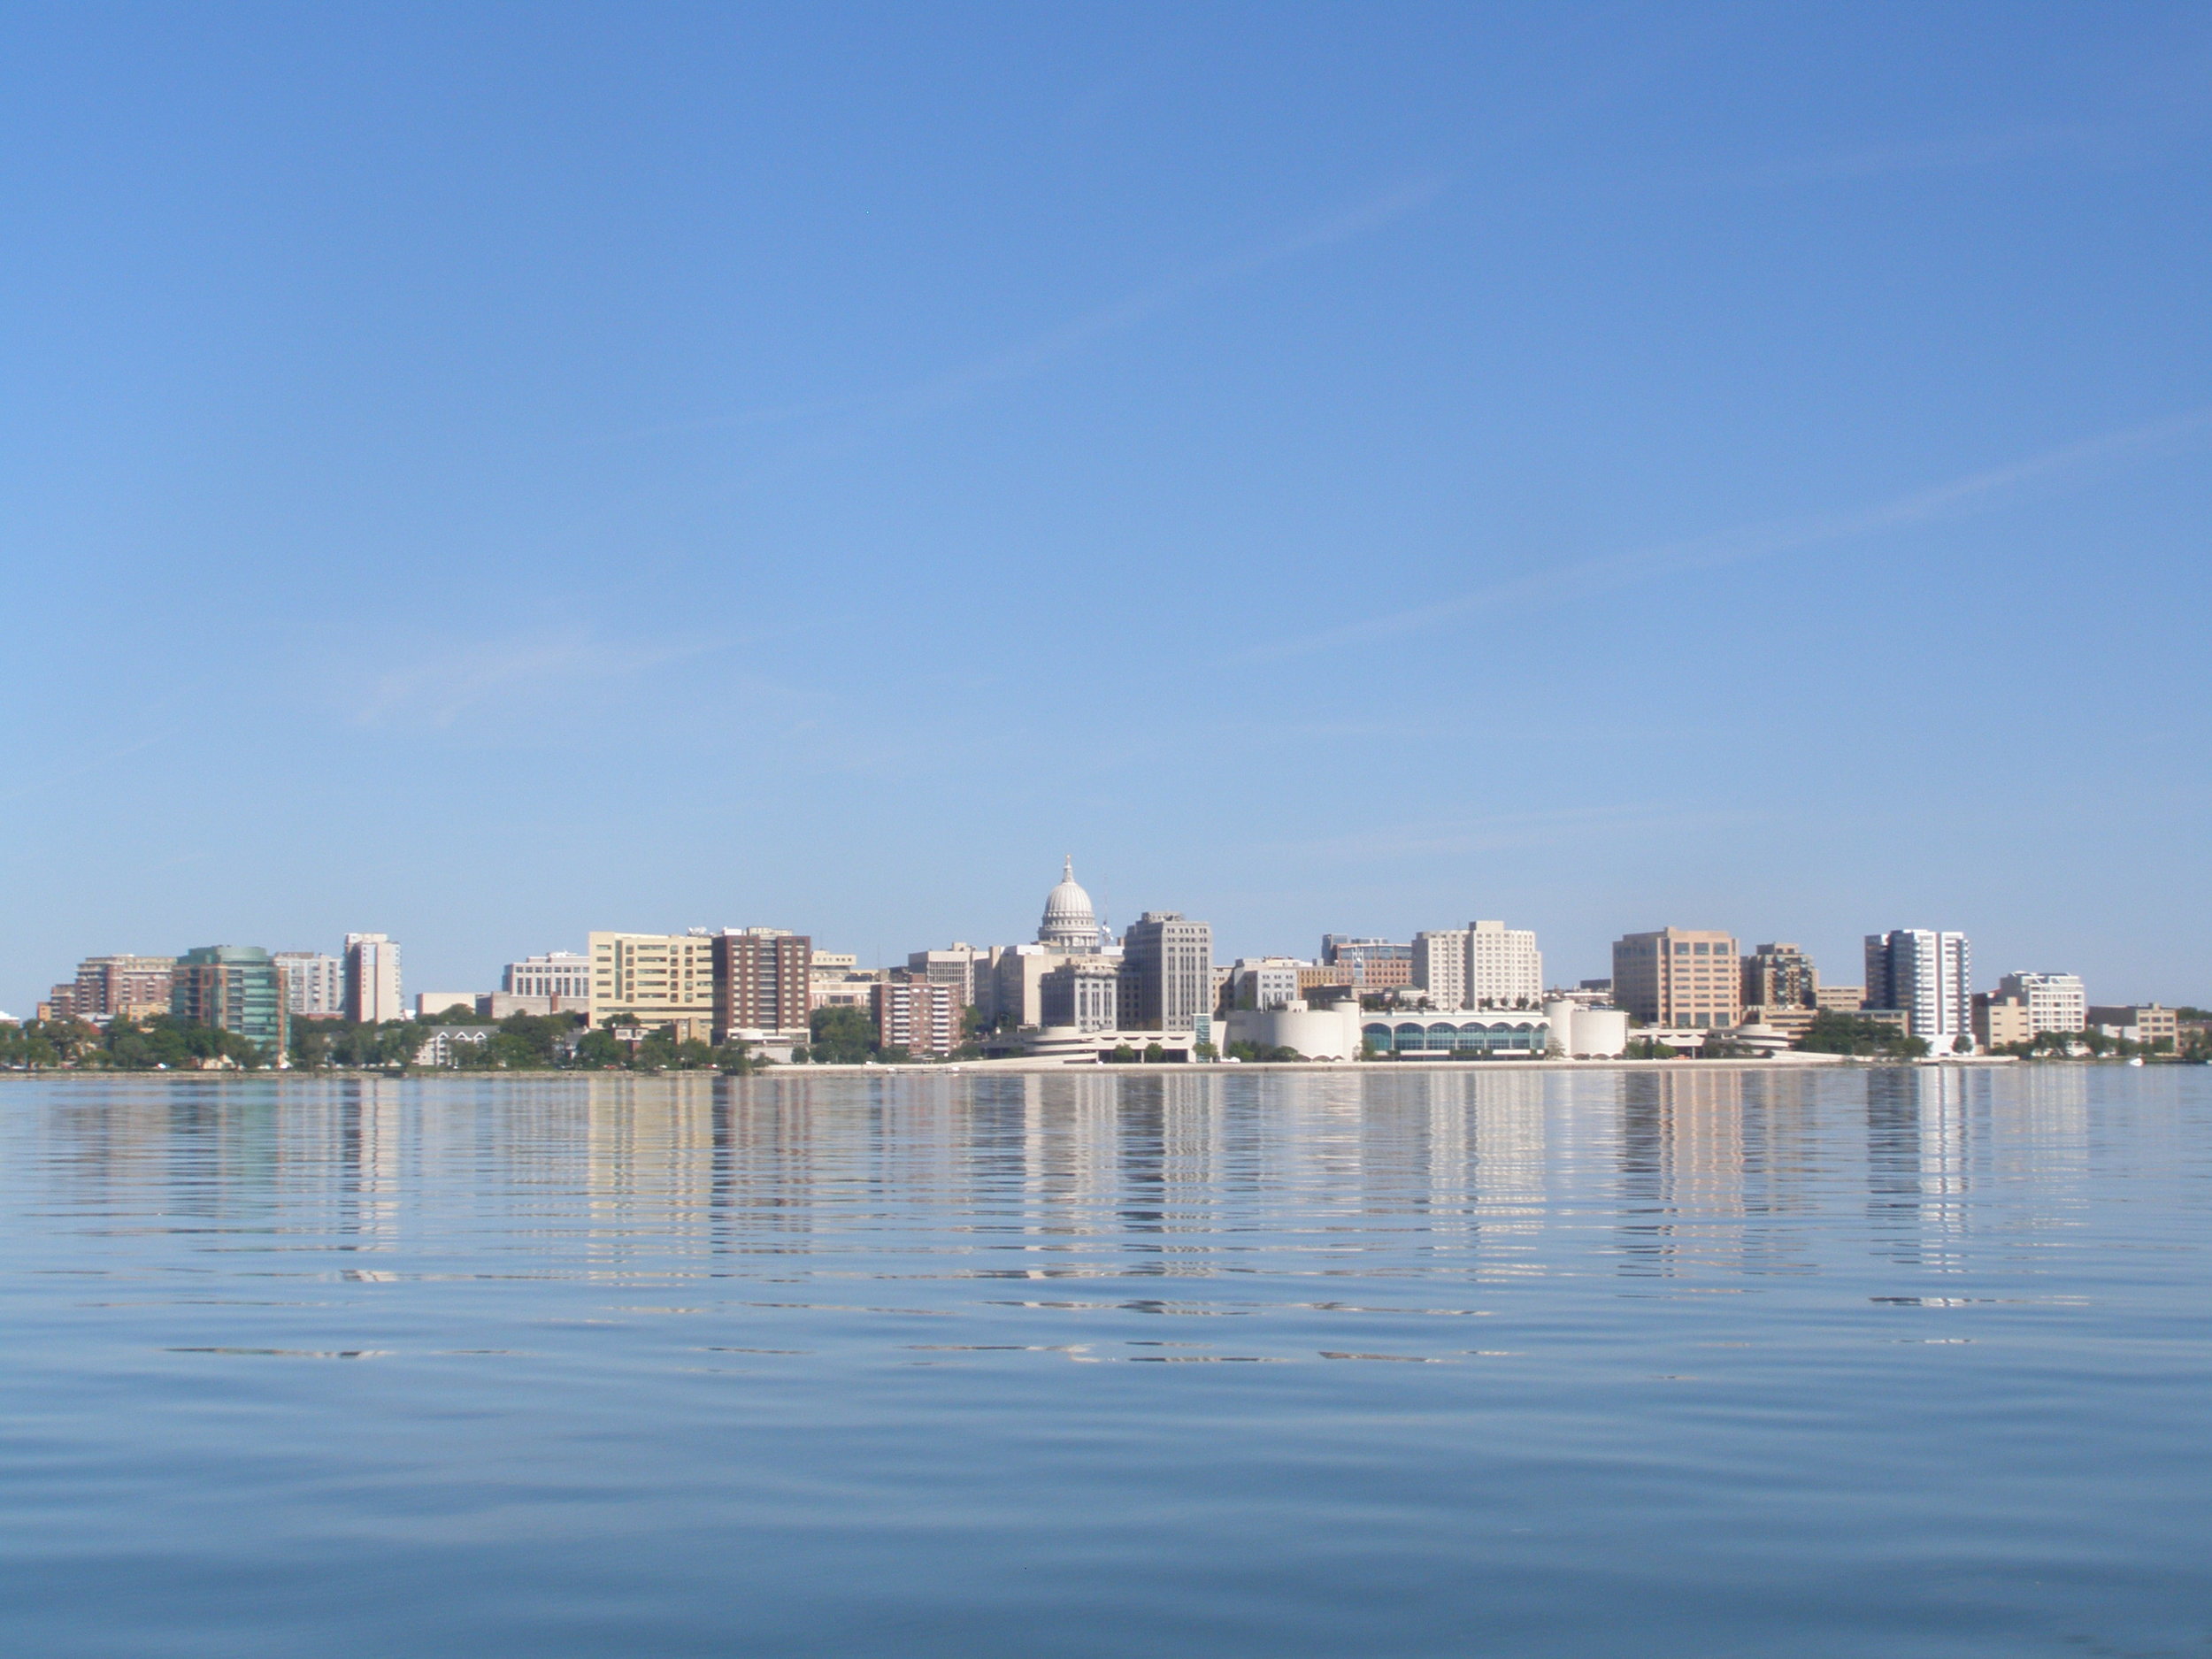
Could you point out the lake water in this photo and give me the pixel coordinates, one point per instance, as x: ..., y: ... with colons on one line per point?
x: 1700, y: 1362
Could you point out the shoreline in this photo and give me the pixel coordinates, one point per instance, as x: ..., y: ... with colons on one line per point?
x: 1054, y: 1067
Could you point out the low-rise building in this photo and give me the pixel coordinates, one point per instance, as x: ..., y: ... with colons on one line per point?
x: 1444, y: 1035
x: 2000, y: 1021
x: 444, y: 1045
x: 2147, y: 1023
x: 1266, y: 981
x: 430, y: 1004
x: 563, y: 978
x: 1842, y: 999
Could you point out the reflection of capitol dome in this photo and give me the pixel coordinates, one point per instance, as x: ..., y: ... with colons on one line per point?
x: 1070, y: 923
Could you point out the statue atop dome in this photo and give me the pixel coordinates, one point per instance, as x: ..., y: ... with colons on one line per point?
x: 1069, y: 922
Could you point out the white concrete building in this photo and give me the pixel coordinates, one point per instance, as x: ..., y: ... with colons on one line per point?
x: 1928, y: 974
x: 565, y: 975
x: 1316, y: 1034
x: 2056, y: 1002
x: 1439, y: 966
x: 1484, y: 964
x: 1264, y: 981
x: 1582, y: 1032
x: 372, y: 980
x: 1504, y: 968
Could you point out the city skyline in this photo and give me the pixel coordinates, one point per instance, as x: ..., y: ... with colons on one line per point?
x: 1611, y: 469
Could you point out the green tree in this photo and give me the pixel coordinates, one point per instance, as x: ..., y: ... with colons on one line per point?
x: 841, y: 1036
x: 1835, y: 1031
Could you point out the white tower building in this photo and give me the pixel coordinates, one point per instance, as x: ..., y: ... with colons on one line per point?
x: 372, y: 978
x: 1930, y: 975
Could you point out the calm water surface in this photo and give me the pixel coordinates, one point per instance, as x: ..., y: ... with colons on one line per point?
x: 1698, y: 1362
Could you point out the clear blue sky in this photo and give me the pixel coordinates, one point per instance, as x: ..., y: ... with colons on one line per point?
x: 485, y: 472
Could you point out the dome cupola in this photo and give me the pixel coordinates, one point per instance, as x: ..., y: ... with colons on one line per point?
x: 1069, y: 922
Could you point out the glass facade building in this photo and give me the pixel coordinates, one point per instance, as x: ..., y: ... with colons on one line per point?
x: 1476, y: 1037
x: 233, y: 988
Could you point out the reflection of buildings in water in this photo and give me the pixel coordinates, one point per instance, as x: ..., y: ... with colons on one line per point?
x: 371, y: 1127
x: 1712, y: 1160
x: 1918, y: 1157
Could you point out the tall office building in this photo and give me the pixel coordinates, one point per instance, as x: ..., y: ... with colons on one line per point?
x: 233, y: 988
x: 1678, y: 977
x: 372, y: 980
x: 655, y: 979
x: 1929, y: 975
x: 962, y: 967
x: 1504, y: 968
x: 1167, y: 972
x: 1780, y: 976
x: 2055, y: 1002
x: 562, y: 977
x: 314, y: 983
x: 763, y: 980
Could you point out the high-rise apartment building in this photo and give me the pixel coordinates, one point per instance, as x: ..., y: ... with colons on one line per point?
x: 1484, y: 964
x: 763, y: 980
x: 1678, y: 977
x: 1504, y: 968
x: 562, y: 977
x: 655, y: 979
x: 1167, y: 972
x: 314, y: 984
x: 131, y: 987
x: 1929, y: 975
x: 233, y: 987
x: 2055, y: 1002
x: 372, y: 980
x: 1439, y: 966
x: 920, y: 1016
x: 1780, y: 976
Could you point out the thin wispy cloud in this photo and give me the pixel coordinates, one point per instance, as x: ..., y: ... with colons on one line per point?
x: 1033, y: 356
x: 517, y: 676
x: 1959, y: 497
x: 1502, y: 832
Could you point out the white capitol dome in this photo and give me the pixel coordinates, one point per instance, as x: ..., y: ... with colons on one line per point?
x: 1069, y: 922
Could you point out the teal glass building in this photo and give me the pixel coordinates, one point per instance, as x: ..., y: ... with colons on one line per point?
x: 235, y: 988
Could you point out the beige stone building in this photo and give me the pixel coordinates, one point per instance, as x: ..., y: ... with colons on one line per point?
x: 655, y: 979
x: 2000, y: 1019
x: 1679, y: 977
